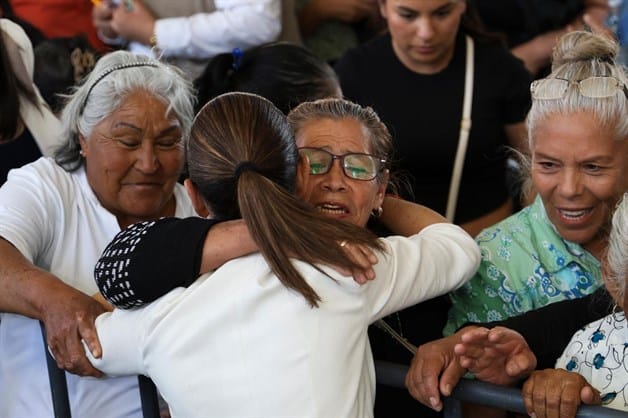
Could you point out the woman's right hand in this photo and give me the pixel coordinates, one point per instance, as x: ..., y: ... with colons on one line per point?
x: 69, y: 316
x: 435, y: 371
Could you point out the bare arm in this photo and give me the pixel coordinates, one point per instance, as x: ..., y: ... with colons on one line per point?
x: 537, y: 52
x: 407, y: 218
x: 350, y: 11
x: 224, y: 242
x: 68, y: 314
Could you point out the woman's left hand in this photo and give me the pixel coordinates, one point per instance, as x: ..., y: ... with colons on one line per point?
x: 499, y: 355
x: 364, y: 257
x: 557, y: 393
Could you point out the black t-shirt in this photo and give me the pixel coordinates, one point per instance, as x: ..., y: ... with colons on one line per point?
x: 423, y: 113
x: 522, y: 20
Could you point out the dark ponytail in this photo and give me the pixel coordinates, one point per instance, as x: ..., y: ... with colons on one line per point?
x: 242, y: 157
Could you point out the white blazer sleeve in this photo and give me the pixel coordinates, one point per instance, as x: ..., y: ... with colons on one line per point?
x: 431, y: 263
x: 121, y: 336
x: 235, y: 23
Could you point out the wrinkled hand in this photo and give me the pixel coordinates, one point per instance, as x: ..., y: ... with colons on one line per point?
x: 499, y: 355
x: 136, y: 24
x: 431, y: 361
x: 557, y: 393
x: 364, y: 257
x: 69, y: 317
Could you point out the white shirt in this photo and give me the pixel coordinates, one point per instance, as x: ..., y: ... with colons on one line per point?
x: 54, y: 219
x: 201, y: 36
x: 239, y: 343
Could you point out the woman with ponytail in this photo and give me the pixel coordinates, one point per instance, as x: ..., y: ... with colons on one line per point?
x: 274, y: 333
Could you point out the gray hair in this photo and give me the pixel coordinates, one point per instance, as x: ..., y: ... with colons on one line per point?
x: 380, y: 140
x: 115, y: 76
x: 579, y: 55
x: 616, y: 269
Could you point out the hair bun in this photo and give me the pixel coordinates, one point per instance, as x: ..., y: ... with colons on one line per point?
x: 584, y: 46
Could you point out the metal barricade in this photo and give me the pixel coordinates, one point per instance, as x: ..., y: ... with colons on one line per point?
x: 509, y: 399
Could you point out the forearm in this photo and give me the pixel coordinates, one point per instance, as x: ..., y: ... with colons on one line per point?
x: 407, y: 218
x: 194, y: 246
x: 310, y: 17
x: 537, y: 52
x: 204, y: 35
x: 24, y: 288
x: 224, y: 242
x: 597, y: 9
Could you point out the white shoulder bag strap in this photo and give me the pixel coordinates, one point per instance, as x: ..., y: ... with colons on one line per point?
x: 465, y: 127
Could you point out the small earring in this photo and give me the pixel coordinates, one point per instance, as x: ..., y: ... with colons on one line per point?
x: 377, y: 212
x: 82, y: 153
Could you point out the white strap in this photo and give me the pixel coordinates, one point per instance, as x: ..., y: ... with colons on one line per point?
x: 381, y: 324
x: 465, y: 127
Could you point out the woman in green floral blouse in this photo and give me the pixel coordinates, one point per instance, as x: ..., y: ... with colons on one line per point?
x: 550, y: 251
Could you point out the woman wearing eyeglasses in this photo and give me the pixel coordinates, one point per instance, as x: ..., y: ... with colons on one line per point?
x: 549, y: 251
x: 266, y: 335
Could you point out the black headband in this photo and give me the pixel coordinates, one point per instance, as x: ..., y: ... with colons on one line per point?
x: 108, y: 71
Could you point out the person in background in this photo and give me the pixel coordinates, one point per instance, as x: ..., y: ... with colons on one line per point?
x: 330, y: 28
x: 532, y: 27
x: 50, y: 19
x: 188, y: 33
x: 123, y: 132
x: 60, y: 64
x: 287, y: 74
x: 424, y: 55
x: 311, y: 347
x: 28, y: 128
x: 549, y: 251
x: 416, y: 82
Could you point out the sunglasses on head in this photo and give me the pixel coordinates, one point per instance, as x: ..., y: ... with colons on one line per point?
x: 356, y: 166
x: 594, y: 87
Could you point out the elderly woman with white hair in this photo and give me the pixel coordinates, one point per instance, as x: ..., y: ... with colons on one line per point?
x: 123, y: 135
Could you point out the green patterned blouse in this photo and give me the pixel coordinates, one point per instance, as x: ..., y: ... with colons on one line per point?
x: 525, y: 265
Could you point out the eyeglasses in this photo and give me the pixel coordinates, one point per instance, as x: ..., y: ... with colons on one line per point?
x: 356, y: 166
x: 595, y: 87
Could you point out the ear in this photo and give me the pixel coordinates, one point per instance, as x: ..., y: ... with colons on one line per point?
x: 197, y: 200
x: 382, y: 185
x: 84, y: 145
